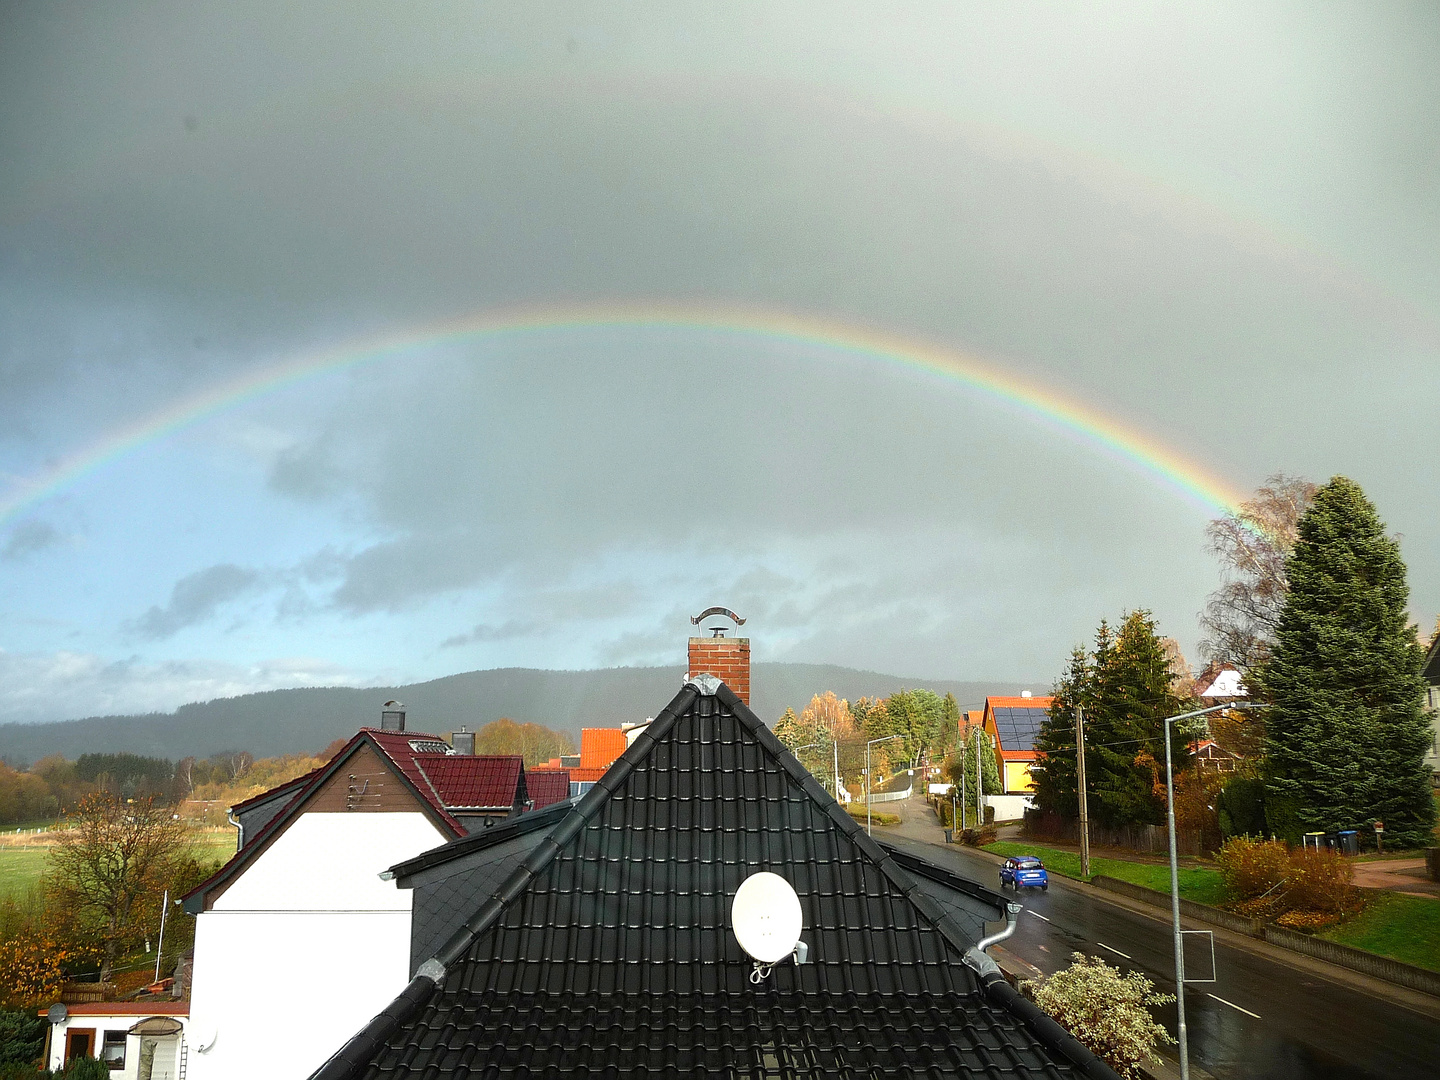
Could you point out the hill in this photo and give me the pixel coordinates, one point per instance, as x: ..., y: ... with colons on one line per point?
x: 307, y: 719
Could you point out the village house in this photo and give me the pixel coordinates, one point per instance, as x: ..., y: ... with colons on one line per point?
x: 601, y: 938
x: 268, y: 993
x: 137, y: 1040
x: 1431, y: 673
x: 1013, y: 723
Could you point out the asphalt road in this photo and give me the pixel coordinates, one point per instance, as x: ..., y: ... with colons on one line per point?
x: 1261, y: 1019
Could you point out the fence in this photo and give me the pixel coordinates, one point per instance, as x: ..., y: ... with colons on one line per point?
x: 892, y: 796
x: 1148, y: 839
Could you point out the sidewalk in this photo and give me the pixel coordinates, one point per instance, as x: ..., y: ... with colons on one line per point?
x: 1407, y: 876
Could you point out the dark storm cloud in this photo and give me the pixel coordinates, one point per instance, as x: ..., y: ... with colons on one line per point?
x: 195, y: 598
x: 28, y: 538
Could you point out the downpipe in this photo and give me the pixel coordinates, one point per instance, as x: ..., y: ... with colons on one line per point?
x: 239, y: 830
x: 977, y: 958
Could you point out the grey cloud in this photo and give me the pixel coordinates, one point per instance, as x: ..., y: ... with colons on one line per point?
x: 482, y: 632
x: 29, y: 538
x: 195, y: 598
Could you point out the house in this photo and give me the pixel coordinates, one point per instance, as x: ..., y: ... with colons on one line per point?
x: 1014, y: 723
x: 1209, y: 754
x: 268, y: 994
x: 1219, y: 683
x: 1431, y: 673
x: 596, y: 939
x: 138, y: 1040
x: 599, y: 749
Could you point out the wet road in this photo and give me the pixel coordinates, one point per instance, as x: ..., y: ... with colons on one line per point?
x: 1261, y: 1019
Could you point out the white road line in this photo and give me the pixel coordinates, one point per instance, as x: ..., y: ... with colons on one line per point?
x: 1222, y: 1001
x: 1037, y: 914
x: 1117, y: 952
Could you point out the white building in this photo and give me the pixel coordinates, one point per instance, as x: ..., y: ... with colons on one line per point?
x: 298, y: 942
x: 139, y: 1040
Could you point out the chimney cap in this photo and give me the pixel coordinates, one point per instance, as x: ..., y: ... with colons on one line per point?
x: 717, y: 631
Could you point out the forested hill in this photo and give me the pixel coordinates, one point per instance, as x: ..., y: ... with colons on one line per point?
x: 292, y: 721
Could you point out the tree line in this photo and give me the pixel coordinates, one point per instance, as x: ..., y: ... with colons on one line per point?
x: 1313, y: 612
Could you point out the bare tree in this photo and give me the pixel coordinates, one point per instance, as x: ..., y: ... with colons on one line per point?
x: 1252, y: 545
x: 108, y: 867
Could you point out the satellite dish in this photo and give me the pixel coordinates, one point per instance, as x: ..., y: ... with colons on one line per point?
x: 205, y: 1038
x: 766, y: 917
x: 57, y: 1013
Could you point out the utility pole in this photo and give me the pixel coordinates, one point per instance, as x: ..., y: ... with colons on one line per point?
x: 979, y: 782
x: 964, y: 804
x: 1080, y: 778
x: 160, y: 945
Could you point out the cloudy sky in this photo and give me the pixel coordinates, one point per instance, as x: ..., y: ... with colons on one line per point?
x: 577, y: 232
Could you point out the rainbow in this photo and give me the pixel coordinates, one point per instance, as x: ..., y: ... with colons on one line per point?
x: 1102, y: 433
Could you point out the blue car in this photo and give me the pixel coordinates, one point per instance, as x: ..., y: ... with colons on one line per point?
x: 1024, y: 872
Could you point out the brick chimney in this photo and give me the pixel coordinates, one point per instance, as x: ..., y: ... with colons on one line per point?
x: 727, y: 658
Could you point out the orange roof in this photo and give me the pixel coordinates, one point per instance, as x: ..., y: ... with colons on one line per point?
x: 582, y: 774
x: 600, y: 746
x: 1018, y: 702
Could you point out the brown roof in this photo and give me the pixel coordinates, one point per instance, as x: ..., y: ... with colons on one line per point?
x: 129, y: 1008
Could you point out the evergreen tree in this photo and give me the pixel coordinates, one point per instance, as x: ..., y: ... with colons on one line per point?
x: 1345, y: 737
x: 1127, y: 689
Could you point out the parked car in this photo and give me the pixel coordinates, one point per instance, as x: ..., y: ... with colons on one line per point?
x: 1024, y: 872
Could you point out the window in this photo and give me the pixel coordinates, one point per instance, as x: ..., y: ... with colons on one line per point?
x: 113, y: 1051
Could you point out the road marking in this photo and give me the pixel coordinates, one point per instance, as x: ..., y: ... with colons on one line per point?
x: 1117, y: 952
x: 1037, y: 914
x: 1222, y: 1001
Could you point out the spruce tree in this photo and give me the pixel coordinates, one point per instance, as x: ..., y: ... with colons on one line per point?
x: 1345, y: 734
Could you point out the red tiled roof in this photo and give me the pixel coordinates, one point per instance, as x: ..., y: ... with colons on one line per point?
x: 396, y: 746
x: 599, y: 747
x: 129, y: 1008
x: 1019, y: 702
x: 547, y: 786
x: 480, y: 781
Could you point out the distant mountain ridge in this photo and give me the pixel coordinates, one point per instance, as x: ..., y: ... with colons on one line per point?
x: 307, y: 719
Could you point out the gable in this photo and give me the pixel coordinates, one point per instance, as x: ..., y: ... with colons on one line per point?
x: 608, y: 946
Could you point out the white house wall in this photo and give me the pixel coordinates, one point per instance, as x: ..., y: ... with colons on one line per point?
x: 304, y: 948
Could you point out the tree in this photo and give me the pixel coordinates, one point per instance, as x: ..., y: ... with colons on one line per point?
x: 1252, y: 544
x: 536, y: 743
x: 1346, y: 736
x: 111, y: 862
x: 1128, y: 685
x: 22, y: 1037
x: 961, y: 763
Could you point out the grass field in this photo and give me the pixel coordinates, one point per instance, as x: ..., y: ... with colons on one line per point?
x: 1404, y: 928
x: 22, y: 865
x: 1196, y: 883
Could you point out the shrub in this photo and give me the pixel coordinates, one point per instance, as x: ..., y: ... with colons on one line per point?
x: 1320, y: 881
x: 1105, y: 1010
x: 22, y: 1037
x: 1252, y: 868
x: 87, y: 1069
x: 978, y: 837
x: 1307, y: 922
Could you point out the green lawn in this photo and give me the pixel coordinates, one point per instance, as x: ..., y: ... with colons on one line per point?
x: 1196, y: 883
x: 21, y: 867
x: 1405, y: 928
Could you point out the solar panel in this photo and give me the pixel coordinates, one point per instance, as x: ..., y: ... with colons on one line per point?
x: 1018, y: 726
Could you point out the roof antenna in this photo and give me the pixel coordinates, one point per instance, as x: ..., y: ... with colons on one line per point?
x: 717, y: 631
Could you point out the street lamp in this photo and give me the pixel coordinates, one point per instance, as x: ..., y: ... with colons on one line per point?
x: 1175, y: 880
x: 870, y: 781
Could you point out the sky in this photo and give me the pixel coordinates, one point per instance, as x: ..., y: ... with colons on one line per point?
x: 367, y: 343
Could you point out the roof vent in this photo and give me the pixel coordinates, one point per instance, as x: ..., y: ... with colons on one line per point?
x: 1025, y: 693
x: 463, y: 741
x: 392, y: 716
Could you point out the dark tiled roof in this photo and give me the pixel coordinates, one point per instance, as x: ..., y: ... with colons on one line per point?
x: 603, y: 945
x: 547, y: 786
x: 474, y: 782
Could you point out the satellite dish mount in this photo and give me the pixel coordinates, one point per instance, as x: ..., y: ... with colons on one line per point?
x: 717, y: 630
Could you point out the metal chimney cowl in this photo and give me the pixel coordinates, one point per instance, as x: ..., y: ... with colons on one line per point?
x: 463, y: 742
x: 392, y: 716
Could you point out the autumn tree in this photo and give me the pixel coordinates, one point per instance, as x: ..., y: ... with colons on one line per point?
x: 1253, y: 544
x: 24, y: 797
x: 536, y: 743
x: 1345, y: 734
x: 111, y: 862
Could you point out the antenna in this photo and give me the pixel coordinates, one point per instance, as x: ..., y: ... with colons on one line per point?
x: 767, y: 920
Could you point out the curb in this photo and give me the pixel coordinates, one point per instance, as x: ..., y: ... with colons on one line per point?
x: 1366, y: 963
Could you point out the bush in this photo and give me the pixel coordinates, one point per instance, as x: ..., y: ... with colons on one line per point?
x: 22, y: 1037
x: 1105, y: 1010
x: 86, y: 1069
x: 1241, y: 807
x: 978, y: 837
x: 1252, y: 868
x: 1320, y: 881
x: 1307, y: 922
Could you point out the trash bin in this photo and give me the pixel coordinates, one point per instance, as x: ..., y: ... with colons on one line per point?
x: 949, y: 836
x: 1349, y: 842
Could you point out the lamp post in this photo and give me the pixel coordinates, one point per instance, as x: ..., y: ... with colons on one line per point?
x: 870, y: 782
x: 1175, y: 882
